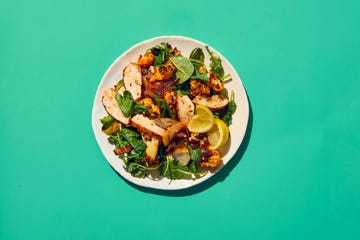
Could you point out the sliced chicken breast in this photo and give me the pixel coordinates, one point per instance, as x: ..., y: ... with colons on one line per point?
x: 214, y: 103
x: 185, y: 108
x: 145, y: 124
x: 133, y: 80
x: 112, y: 106
x: 165, y: 122
x: 171, y: 132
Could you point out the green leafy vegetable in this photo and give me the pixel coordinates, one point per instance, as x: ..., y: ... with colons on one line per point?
x: 118, y: 140
x: 135, y: 140
x: 215, y: 64
x: 229, y: 110
x: 165, y: 108
x: 161, y: 52
x: 174, y: 169
x: 138, y: 170
x: 119, y: 85
x: 107, y: 121
x: 183, y: 89
x: 200, y: 76
x: 197, y: 57
x: 195, y: 156
x: 184, y: 68
x: 128, y: 105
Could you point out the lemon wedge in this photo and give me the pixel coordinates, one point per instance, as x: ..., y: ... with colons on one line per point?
x: 202, y: 121
x: 218, y: 134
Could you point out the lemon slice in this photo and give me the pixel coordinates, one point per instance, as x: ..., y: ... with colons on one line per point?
x: 202, y: 121
x: 218, y: 134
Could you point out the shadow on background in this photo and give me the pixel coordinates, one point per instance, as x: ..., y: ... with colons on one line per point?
x: 218, y: 177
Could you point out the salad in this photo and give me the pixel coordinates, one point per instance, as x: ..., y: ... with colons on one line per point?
x: 169, y: 114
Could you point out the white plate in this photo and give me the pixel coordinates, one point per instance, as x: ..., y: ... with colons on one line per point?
x: 115, y: 72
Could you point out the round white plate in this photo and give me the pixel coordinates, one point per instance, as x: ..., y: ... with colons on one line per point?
x: 115, y: 72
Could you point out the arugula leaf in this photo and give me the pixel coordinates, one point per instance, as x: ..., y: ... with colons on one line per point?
x: 118, y: 140
x: 139, y: 108
x: 215, y: 64
x: 136, y: 169
x: 161, y: 51
x: 135, y: 140
x: 195, y: 156
x: 229, y: 111
x: 119, y: 85
x: 184, y: 68
x: 200, y: 76
x: 174, y: 169
x: 128, y: 105
x: 183, y: 89
x: 159, y: 59
x: 165, y: 108
x: 107, y: 121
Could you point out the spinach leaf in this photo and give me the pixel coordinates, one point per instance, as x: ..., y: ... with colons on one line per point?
x: 107, y: 121
x: 128, y: 105
x: 229, y: 111
x: 215, y: 64
x: 165, y: 108
x: 197, y: 55
x: 184, y: 68
x: 135, y: 140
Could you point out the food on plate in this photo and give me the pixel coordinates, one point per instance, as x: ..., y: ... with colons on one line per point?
x: 169, y: 114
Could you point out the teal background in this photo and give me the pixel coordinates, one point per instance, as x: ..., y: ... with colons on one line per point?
x: 299, y: 173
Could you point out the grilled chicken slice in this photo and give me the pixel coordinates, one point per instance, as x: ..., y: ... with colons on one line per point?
x: 185, y: 108
x: 112, y: 106
x: 214, y: 103
x: 171, y: 132
x: 165, y: 122
x: 145, y: 124
x: 133, y: 80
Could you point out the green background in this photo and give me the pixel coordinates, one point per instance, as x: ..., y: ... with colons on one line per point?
x: 299, y: 173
